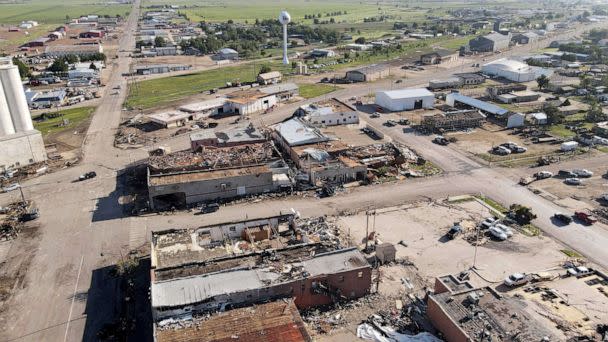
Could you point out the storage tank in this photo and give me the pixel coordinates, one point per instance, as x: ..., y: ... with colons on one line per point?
x: 6, y: 123
x: 15, y: 96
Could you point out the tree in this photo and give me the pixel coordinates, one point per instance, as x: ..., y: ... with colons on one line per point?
x: 521, y: 214
x: 24, y: 70
x: 542, y: 81
x: 93, y: 66
x: 294, y: 43
x: 159, y: 42
x: 360, y: 40
x: 264, y: 69
x: 595, y: 113
x: 553, y: 115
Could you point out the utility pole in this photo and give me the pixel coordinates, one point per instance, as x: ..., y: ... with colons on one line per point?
x: 22, y: 196
x: 366, y: 229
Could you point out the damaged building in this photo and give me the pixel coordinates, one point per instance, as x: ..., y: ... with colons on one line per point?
x: 276, y: 321
x: 330, y: 112
x: 463, y: 313
x: 212, y: 174
x: 226, y: 138
x: 452, y: 121
x: 314, y: 280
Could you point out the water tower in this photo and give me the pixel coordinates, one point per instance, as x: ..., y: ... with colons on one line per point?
x: 284, y: 19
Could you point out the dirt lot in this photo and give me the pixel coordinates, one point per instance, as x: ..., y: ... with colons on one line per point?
x: 351, y: 135
x: 422, y: 227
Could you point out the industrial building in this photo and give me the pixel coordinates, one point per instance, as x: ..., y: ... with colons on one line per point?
x: 184, y: 178
x: 471, y: 78
x: 490, y: 43
x: 405, y: 99
x: 329, y: 113
x: 439, y: 56
x: 368, y: 73
x: 250, y: 101
x: 20, y: 143
x: 54, y: 51
x: 322, y: 53
x: 519, y: 96
x: 463, y: 313
x: 226, y: 138
x: 312, y: 281
x: 206, y: 108
x: 283, y: 91
x: 524, y: 38
x: 160, y: 68
x: 510, y: 69
x: 227, y: 54
x: 457, y: 100
x: 174, y: 118
x: 452, y: 121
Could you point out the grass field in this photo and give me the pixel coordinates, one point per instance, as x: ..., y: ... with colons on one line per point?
x: 160, y: 91
x: 55, y: 11
x: 309, y: 91
x: 74, y: 115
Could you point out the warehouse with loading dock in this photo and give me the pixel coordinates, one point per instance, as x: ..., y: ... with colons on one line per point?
x: 405, y: 99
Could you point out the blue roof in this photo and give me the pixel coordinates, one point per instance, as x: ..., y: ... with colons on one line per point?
x: 484, y: 106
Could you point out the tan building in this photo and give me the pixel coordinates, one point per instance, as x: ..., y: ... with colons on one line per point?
x: 368, y: 74
x: 439, y: 56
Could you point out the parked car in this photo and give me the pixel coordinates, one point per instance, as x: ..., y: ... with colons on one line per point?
x: 441, y: 140
x: 390, y: 123
x: 374, y: 115
x: 584, y: 217
x: 518, y: 149
x: 505, y: 229
x: 497, y: 233
x: 582, y: 173
x: 210, y: 208
x: 11, y: 187
x: 454, y: 231
x: 543, y: 174
x: 573, y: 181
x: 604, y: 198
x: 563, y: 218
x: 516, y: 279
x: 578, y: 271
x: 87, y: 175
x: 566, y: 174
x: 487, y: 223
x: 501, y: 150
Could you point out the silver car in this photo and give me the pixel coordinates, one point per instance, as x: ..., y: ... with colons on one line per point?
x: 498, y: 233
x: 573, y: 181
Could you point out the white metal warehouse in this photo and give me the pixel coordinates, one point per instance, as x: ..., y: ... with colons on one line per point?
x: 405, y: 99
x: 510, y: 69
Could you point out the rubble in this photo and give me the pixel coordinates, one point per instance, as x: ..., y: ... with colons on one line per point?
x: 12, y: 217
x: 132, y: 137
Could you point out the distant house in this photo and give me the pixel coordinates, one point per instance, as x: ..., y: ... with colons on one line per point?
x: 368, y: 73
x: 322, y: 53
x: 38, y: 42
x: 269, y: 77
x: 166, y: 50
x: 227, y: 54
x: 55, y: 35
x: 490, y: 42
x: 439, y: 56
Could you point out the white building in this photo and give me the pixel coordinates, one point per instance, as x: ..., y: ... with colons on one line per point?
x: 331, y: 112
x: 510, y: 69
x: 250, y: 101
x: 405, y: 99
x: 20, y: 143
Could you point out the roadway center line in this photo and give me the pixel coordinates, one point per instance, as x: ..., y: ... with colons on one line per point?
x: 67, y: 327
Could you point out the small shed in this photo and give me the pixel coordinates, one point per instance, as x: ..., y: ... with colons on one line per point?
x: 385, y: 253
x: 515, y: 120
x: 538, y: 118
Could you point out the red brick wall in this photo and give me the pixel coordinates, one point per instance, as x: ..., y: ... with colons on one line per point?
x: 443, y: 323
x: 352, y: 284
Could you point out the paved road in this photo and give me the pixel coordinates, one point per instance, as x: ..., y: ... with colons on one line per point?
x: 83, y: 229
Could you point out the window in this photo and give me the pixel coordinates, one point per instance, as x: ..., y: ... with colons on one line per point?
x: 360, y: 275
x: 233, y: 229
x: 303, y: 287
x: 341, y: 279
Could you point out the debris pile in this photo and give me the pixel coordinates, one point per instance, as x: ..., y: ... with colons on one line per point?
x: 213, y: 157
x: 320, y: 228
x: 130, y: 136
x: 12, y: 217
x: 602, y: 214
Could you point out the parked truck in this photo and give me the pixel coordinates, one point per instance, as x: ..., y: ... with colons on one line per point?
x: 585, y: 217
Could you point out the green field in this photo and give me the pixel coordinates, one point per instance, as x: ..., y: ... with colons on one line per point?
x: 160, y: 91
x: 309, y: 91
x: 55, y: 11
x: 74, y: 115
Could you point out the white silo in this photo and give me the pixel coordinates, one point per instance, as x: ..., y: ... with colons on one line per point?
x: 15, y: 96
x: 6, y: 123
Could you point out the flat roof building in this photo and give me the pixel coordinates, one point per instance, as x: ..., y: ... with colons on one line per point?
x: 329, y: 113
x: 490, y: 42
x: 226, y: 138
x: 439, y: 56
